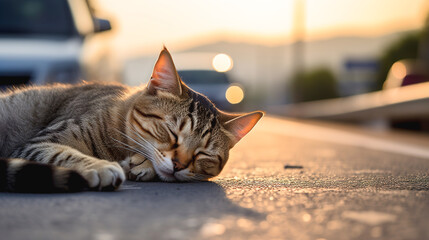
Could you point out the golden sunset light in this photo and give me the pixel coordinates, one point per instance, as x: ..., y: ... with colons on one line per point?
x: 234, y: 94
x: 399, y: 70
x: 222, y: 62
x: 143, y: 25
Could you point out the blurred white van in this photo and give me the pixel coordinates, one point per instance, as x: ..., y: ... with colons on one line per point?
x: 44, y: 41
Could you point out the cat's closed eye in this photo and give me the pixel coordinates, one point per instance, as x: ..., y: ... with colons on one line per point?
x: 201, y: 153
x: 209, y: 166
x: 210, y: 163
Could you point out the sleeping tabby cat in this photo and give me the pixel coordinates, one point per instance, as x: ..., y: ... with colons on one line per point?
x: 73, y: 137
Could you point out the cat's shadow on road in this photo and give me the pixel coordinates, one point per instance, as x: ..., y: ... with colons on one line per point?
x: 195, y: 199
x: 137, y: 208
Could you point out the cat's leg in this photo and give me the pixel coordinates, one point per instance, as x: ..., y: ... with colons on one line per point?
x: 141, y: 169
x: 100, y: 174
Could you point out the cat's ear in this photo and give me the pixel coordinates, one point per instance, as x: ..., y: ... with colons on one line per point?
x: 240, y: 125
x: 164, y: 75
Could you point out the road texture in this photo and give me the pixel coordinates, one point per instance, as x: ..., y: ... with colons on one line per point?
x: 352, y: 185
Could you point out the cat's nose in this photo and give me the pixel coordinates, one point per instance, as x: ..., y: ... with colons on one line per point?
x: 177, y: 165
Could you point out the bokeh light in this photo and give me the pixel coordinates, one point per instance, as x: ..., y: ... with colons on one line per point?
x: 234, y: 94
x: 222, y: 62
x: 399, y: 70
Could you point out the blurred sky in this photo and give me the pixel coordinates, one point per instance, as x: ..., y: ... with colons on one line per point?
x: 142, y: 26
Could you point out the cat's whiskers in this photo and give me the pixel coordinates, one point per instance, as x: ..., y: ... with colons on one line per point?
x: 159, y: 154
x: 141, y: 151
x: 132, y: 129
x: 128, y: 147
x: 147, y: 149
x: 156, y: 156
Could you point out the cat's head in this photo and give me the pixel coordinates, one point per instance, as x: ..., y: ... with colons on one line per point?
x: 192, y: 137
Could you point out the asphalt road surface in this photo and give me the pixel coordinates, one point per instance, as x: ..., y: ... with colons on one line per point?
x: 340, y: 183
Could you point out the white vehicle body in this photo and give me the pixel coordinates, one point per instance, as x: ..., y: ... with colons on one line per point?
x: 31, y: 57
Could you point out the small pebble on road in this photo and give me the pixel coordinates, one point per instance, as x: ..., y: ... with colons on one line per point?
x: 287, y: 166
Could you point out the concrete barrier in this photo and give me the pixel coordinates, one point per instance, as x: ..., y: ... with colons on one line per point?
x: 399, y: 104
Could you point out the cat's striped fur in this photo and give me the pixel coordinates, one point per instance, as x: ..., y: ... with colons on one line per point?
x: 72, y: 137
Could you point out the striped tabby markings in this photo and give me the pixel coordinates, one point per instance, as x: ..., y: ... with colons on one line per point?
x: 207, y: 144
x: 84, y: 136
x: 56, y: 128
x: 174, y: 140
x: 94, y: 150
x: 51, y: 133
x: 54, y: 158
x: 154, y: 131
x: 192, y: 107
x: 182, y: 125
x: 51, y: 153
x: 221, y: 162
x: 202, y: 153
x: 97, y: 172
x: 148, y: 115
x: 103, y: 136
x: 191, y: 117
x: 137, y: 124
x: 207, y: 133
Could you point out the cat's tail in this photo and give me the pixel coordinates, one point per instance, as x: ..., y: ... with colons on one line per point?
x: 20, y: 175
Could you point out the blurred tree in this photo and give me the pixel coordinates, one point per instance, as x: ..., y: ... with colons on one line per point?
x: 424, y: 42
x: 406, y: 47
x: 312, y: 85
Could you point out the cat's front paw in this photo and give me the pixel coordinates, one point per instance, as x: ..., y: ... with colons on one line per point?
x: 142, y: 172
x: 104, y: 175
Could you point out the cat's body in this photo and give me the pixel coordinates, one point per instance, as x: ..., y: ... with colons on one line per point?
x: 79, y: 112
x: 80, y: 133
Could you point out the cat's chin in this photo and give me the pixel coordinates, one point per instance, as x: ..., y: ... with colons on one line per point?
x: 182, y: 176
x: 165, y: 176
x: 164, y: 169
x: 165, y: 172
